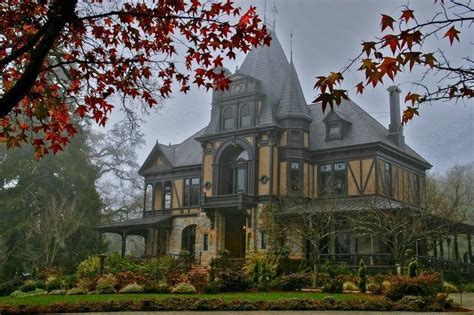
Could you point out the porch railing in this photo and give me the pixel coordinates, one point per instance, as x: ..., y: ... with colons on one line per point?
x: 239, y: 199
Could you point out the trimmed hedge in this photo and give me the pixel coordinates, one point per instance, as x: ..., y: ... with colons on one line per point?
x: 216, y: 304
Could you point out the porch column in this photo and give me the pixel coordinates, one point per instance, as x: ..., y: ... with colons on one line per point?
x: 124, y: 243
x: 99, y: 242
x: 469, y: 248
x: 371, y: 250
x: 456, y: 247
x: 441, y: 249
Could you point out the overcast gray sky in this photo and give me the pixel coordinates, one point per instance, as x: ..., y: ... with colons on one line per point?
x: 326, y: 34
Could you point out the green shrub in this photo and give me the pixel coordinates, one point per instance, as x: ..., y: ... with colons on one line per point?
x: 184, y: 288
x: 469, y: 287
x: 34, y: 292
x: 77, y: 291
x: 350, y: 286
x: 28, y: 286
x: 333, y: 270
x: 322, y: 279
x: 68, y: 282
x: 362, y: 272
x: 262, y: 269
x: 233, y: 281
x: 89, y: 268
x: 333, y: 286
x: 157, y: 287
x: 413, y: 268
x: 116, y: 263
x: 449, y: 287
x: 132, y: 288
x: 6, y: 288
x: 329, y: 300
x: 53, y: 283
x: 106, y: 284
x: 212, y: 287
x: 423, y: 285
x: 414, y: 302
x: 57, y: 292
x: 295, y: 281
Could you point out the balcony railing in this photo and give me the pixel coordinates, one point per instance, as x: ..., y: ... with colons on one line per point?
x: 239, y: 200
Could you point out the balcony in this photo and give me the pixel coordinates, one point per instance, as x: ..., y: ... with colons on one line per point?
x: 239, y: 200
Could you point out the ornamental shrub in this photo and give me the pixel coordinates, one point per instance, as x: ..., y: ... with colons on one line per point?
x: 469, y: 287
x: 362, y: 276
x: 423, y: 285
x: 126, y: 277
x: 198, y: 279
x: 53, y: 283
x: 333, y: 270
x: 413, y: 268
x: 322, y: 279
x: 28, y: 286
x: 34, y: 292
x: 77, y: 291
x: 262, y: 269
x: 132, y: 288
x: 211, y: 287
x: 58, y: 292
x: 106, y: 284
x: 233, y: 281
x: 157, y: 287
x: 295, y: 281
x: 6, y: 288
x: 449, y: 288
x: 68, y: 281
x: 333, y: 286
x: 116, y: 263
x: 184, y: 288
x: 350, y: 286
x: 89, y: 268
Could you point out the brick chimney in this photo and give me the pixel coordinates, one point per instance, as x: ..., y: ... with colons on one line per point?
x: 395, y: 129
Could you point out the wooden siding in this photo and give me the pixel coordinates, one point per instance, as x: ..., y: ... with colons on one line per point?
x: 284, y: 138
x: 158, y: 192
x: 177, y: 193
x: 274, y: 176
x: 283, y: 178
x: 207, y: 173
x: 305, y: 180
x: 264, y: 169
x: 306, y: 140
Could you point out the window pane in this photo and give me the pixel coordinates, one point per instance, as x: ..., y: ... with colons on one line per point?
x: 295, y: 137
x: 340, y: 179
x: 326, y: 181
x: 295, y: 176
x: 240, y: 181
x: 187, y: 192
x: 245, y: 117
x: 167, y: 195
x: 149, y: 198
x: 388, y: 179
x: 264, y: 240
x: 206, y: 242
x: 326, y: 168
x: 334, y: 132
x: 245, y: 121
x: 228, y: 118
x: 195, y: 191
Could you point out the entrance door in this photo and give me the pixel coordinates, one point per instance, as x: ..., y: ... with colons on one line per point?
x: 188, y: 239
x: 235, y: 235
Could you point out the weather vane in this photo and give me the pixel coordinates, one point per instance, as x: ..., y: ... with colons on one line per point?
x: 291, y: 45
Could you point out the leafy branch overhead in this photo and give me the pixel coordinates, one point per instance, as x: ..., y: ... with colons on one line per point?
x: 402, y: 48
x: 64, y: 58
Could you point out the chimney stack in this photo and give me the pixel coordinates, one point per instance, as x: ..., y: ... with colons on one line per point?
x: 395, y: 129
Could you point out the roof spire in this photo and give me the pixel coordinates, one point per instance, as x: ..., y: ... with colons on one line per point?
x: 265, y: 12
x: 291, y: 45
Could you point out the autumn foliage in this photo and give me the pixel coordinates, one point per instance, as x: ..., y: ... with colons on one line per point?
x: 400, y: 48
x: 61, y: 59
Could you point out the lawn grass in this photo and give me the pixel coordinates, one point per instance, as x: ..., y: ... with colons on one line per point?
x: 242, y: 296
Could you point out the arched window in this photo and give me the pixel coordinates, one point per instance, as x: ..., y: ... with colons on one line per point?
x: 149, y: 197
x: 188, y: 239
x: 245, y: 117
x: 233, y: 171
x: 228, y: 118
x: 167, y: 199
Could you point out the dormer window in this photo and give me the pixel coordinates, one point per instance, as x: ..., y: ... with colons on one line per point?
x: 334, y: 131
x: 228, y: 118
x: 245, y: 116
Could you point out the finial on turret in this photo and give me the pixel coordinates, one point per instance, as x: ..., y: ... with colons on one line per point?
x: 274, y: 11
x: 291, y: 45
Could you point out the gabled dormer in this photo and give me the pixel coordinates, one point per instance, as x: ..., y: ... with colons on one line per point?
x: 158, y: 160
x: 337, y: 124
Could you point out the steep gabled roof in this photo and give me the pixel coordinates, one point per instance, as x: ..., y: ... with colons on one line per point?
x: 292, y: 102
x: 188, y: 152
x: 364, y: 129
x: 269, y: 65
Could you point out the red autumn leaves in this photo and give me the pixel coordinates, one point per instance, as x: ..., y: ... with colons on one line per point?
x: 389, y: 55
x: 142, y: 51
